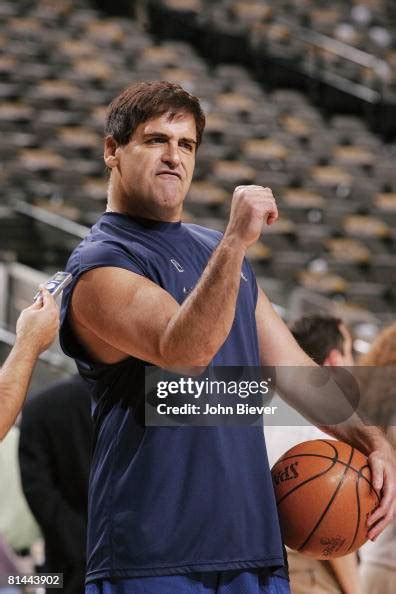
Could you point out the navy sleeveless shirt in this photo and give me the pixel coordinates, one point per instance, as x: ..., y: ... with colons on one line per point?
x: 170, y: 500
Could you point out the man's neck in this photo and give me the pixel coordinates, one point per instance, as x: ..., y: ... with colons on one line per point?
x: 143, y: 214
x: 118, y: 201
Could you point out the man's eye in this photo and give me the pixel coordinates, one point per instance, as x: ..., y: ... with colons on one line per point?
x: 187, y: 146
x: 155, y: 140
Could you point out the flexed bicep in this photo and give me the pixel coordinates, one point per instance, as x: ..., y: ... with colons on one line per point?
x: 116, y: 313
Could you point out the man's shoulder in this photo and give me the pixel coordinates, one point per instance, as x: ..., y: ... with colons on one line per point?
x: 103, y: 246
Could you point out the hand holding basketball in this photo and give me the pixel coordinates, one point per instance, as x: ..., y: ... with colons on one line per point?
x: 383, y: 471
x: 324, y: 493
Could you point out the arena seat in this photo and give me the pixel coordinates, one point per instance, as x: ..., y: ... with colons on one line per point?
x: 205, y: 198
x: 302, y: 205
x: 259, y: 253
x: 369, y: 296
x: 349, y: 257
x: 78, y: 141
x: 383, y: 267
x: 325, y: 283
x: 371, y: 229
x: 384, y: 207
x: 287, y: 263
x: 14, y: 113
x: 281, y: 236
x: 40, y: 160
x: 232, y: 173
x: 260, y: 151
x: 60, y: 207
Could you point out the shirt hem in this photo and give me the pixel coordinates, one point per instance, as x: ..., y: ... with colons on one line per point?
x: 276, y: 562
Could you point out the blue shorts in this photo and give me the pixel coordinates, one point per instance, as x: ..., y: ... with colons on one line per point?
x: 225, y: 582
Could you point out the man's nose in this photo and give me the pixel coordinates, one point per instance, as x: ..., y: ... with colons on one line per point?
x: 170, y: 155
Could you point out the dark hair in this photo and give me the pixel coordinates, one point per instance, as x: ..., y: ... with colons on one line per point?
x: 317, y: 335
x: 145, y: 100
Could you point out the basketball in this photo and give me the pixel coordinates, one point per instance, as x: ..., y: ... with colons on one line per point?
x: 324, y: 496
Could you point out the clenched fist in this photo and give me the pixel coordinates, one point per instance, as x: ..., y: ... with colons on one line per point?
x: 252, y: 207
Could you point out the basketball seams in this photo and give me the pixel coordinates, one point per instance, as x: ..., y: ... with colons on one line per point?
x: 358, y: 514
x: 358, y: 506
x: 358, y: 471
x: 336, y: 452
x: 361, y: 476
x: 341, y: 482
x: 311, y: 478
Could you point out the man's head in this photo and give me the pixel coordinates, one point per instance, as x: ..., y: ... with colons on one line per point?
x: 325, y: 339
x: 152, y: 132
x: 146, y: 100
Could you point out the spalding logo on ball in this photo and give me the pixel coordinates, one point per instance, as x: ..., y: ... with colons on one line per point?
x: 324, y: 496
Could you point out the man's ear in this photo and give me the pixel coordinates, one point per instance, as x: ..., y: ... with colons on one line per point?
x: 334, y: 358
x: 110, y: 150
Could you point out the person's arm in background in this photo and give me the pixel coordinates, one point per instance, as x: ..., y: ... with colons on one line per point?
x: 318, y: 401
x: 35, y: 330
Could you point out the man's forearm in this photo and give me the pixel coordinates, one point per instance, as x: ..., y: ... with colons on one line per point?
x: 366, y: 438
x: 326, y: 397
x: 204, y: 320
x: 14, y: 382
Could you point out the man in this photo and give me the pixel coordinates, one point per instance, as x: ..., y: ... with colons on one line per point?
x: 54, y: 455
x: 176, y: 509
x: 35, y: 330
x: 328, y: 342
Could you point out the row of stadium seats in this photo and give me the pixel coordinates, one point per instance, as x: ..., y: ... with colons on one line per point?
x: 334, y: 179
x: 284, y: 27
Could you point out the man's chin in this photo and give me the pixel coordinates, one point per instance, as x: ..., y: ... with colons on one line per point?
x: 171, y: 197
x: 168, y: 203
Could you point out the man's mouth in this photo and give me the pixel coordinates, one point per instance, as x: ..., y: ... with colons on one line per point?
x: 168, y: 172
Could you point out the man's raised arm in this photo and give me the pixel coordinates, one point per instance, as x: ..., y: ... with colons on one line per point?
x: 116, y: 313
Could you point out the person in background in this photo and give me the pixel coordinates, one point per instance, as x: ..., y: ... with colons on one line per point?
x: 35, y: 330
x: 328, y: 342
x: 54, y: 453
x: 378, y: 558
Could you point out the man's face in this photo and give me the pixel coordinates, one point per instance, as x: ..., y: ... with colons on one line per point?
x: 153, y: 171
